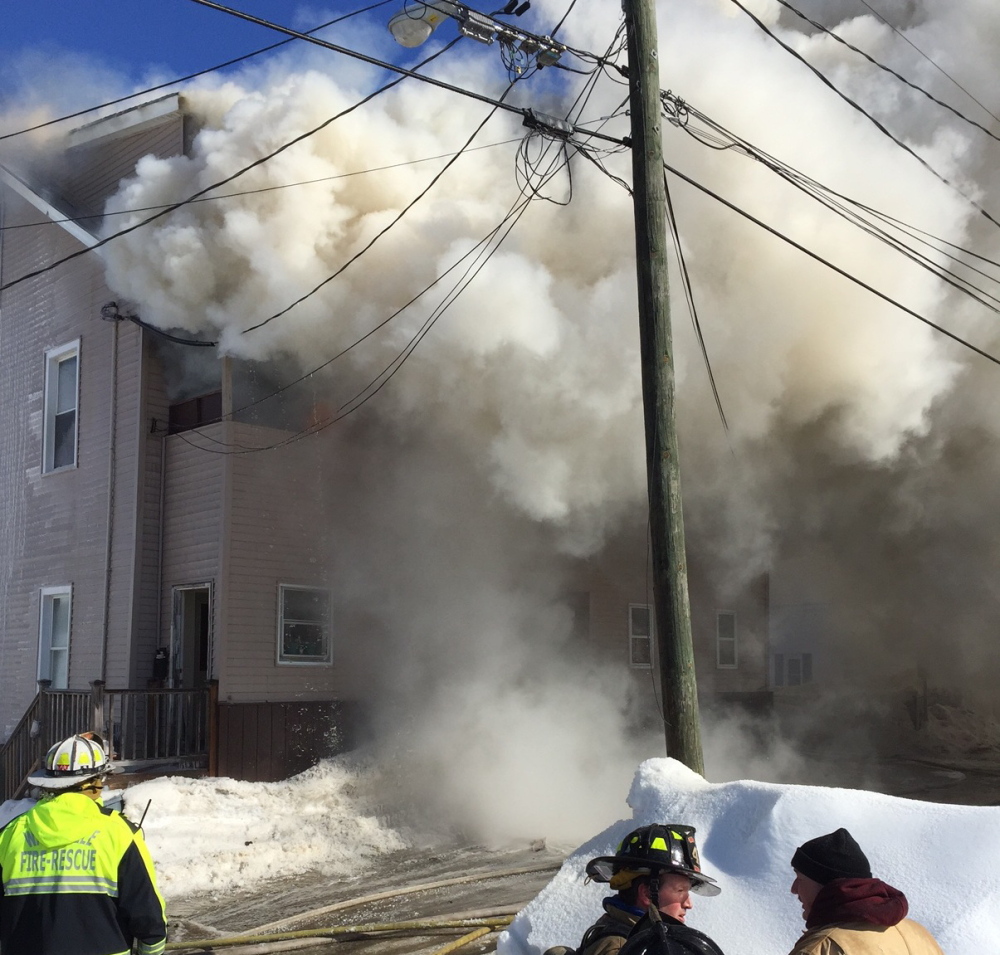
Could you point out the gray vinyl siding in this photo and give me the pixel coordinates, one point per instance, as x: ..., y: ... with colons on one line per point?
x: 53, y: 527
x: 95, y: 170
x: 278, y: 534
x: 193, y: 511
x: 147, y: 602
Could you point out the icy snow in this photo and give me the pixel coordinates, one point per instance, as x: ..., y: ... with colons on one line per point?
x: 220, y: 834
x: 216, y: 835
x: 944, y: 858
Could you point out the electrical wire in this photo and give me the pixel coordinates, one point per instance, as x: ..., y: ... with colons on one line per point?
x: 190, y: 76
x: 222, y: 182
x: 679, y: 114
x: 879, y: 126
x: 830, y: 265
x: 943, y: 72
x: 689, y: 296
x: 403, y: 72
x: 254, y: 192
x: 889, y: 70
x: 357, y: 255
x: 482, y: 248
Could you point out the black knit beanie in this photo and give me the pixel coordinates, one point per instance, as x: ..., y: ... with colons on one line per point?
x: 834, y: 856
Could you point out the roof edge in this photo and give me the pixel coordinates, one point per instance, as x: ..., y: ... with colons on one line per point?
x: 48, y: 210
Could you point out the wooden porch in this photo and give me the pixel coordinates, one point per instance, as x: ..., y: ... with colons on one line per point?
x: 160, y: 732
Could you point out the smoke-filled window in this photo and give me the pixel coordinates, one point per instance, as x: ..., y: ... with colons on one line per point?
x: 725, y: 639
x: 304, y: 631
x: 640, y: 635
x: 61, y: 396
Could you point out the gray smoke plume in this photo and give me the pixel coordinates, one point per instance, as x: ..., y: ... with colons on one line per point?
x: 507, y: 453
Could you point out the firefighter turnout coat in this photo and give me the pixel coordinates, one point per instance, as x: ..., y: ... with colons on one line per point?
x: 76, y: 879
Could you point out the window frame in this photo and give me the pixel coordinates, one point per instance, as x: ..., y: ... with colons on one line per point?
x: 289, y: 660
x: 46, y: 600
x: 633, y: 636
x: 54, y: 357
x: 720, y: 640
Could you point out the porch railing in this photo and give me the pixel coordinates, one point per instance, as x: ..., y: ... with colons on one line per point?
x: 144, y: 729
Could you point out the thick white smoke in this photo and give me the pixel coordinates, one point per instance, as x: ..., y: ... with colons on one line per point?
x: 862, y: 445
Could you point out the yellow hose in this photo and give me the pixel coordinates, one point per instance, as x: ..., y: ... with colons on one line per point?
x: 463, y: 941
x: 416, y: 927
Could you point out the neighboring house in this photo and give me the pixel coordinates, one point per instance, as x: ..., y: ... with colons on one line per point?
x: 132, y: 556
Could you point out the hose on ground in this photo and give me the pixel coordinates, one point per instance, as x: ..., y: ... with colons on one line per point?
x: 415, y: 927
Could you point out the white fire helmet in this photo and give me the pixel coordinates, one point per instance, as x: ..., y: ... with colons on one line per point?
x: 71, y: 762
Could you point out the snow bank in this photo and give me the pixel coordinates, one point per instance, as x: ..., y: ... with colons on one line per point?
x: 221, y: 834
x: 942, y: 857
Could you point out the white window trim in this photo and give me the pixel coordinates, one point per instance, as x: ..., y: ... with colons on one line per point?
x: 53, y: 357
x: 45, y: 596
x: 734, y: 640
x: 649, y: 637
x: 328, y: 661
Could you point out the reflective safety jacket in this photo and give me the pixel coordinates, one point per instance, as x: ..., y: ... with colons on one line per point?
x: 76, y: 879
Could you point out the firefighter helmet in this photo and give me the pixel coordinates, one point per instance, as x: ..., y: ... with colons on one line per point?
x: 71, y: 762
x: 652, y: 849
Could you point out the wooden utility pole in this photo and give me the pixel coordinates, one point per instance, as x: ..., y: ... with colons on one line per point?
x: 670, y: 584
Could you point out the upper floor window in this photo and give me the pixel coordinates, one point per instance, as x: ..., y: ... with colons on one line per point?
x: 62, y: 380
x: 304, y: 630
x: 640, y: 635
x: 725, y: 639
x: 53, y: 636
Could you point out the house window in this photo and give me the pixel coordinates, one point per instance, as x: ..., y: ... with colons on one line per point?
x: 61, y: 398
x: 640, y: 635
x: 725, y: 639
x: 795, y: 671
x: 304, y: 625
x: 53, y: 636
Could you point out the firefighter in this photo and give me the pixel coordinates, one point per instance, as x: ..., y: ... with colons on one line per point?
x: 75, y: 877
x: 654, y: 871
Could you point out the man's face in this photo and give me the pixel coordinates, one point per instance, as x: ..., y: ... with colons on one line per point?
x: 674, y: 898
x: 806, y: 890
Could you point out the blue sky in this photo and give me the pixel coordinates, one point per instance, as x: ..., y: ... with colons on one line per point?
x: 178, y: 36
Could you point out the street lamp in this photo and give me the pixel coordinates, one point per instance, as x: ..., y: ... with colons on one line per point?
x: 414, y: 25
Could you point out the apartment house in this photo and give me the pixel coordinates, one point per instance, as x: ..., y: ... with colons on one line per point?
x: 135, y: 558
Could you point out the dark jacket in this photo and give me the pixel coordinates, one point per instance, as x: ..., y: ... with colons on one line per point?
x: 607, y: 935
x: 77, y: 879
x: 659, y: 934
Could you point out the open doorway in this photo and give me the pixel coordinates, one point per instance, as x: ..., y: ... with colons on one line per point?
x: 191, y: 636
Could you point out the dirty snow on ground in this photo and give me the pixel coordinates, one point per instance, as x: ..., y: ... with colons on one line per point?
x: 216, y: 835
x: 944, y: 858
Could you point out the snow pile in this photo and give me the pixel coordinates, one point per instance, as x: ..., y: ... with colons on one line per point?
x: 942, y: 857
x: 221, y: 834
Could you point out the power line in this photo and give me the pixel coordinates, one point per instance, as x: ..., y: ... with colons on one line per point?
x: 372, y: 61
x: 847, y: 275
x: 190, y: 76
x: 679, y: 113
x: 889, y: 70
x: 481, y: 248
x: 943, y: 72
x: 882, y: 129
x: 183, y: 202
x: 254, y: 192
x: 689, y: 296
x: 437, y: 176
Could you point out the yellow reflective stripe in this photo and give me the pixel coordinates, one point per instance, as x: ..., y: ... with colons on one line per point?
x: 658, y: 843
x: 155, y: 949
x: 61, y: 884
